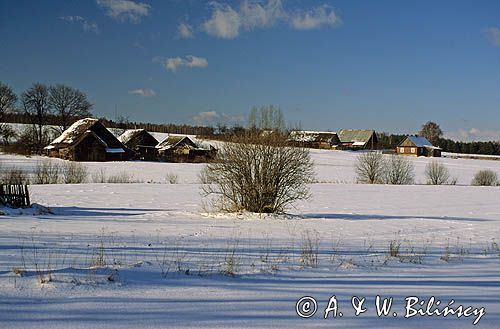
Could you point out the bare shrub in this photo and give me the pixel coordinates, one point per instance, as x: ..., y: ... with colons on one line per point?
x: 15, y: 176
x: 120, y: 178
x: 259, y: 173
x: 172, y: 178
x: 485, y: 178
x: 231, y: 262
x: 309, y: 249
x: 436, y: 173
x: 369, y: 168
x: 74, y: 173
x: 203, y: 177
x: 399, y: 171
x: 99, y: 176
x: 46, y: 172
x: 394, y: 246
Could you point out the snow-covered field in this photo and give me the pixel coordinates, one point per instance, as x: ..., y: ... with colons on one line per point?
x: 147, y: 255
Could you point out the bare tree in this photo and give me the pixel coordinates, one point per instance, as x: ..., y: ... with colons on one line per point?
x: 258, y: 174
x: 399, y: 171
x: 436, y: 173
x: 431, y: 131
x: 369, y: 168
x: 36, y: 105
x: 7, y: 100
x: 266, y: 117
x: 68, y: 103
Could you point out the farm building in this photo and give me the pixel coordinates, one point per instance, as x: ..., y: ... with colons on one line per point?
x: 141, y: 142
x: 184, y: 149
x: 314, y: 139
x: 358, y: 139
x: 418, y: 146
x: 88, y: 140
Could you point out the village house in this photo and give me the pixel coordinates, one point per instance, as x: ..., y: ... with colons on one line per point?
x: 184, y: 149
x: 352, y: 139
x: 88, y: 140
x: 418, y: 146
x: 314, y: 139
x: 141, y: 142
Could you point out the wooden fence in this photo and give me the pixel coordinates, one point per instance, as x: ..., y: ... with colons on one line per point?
x: 14, y: 195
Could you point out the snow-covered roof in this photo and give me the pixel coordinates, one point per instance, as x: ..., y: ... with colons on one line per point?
x: 128, y: 135
x: 70, y: 135
x: 312, y: 136
x: 420, y: 141
x: 172, y: 141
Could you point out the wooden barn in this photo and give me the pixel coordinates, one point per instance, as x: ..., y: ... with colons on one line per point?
x: 314, y: 139
x: 418, y: 146
x: 352, y: 139
x: 141, y: 142
x: 184, y: 149
x: 88, y: 140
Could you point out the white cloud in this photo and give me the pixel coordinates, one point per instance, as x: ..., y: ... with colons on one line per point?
x: 124, y: 10
x: 142, y: 92
x: 493, y: 34
x: 315, y: 18
x: 227, y: 23
x: 212, y: 117
x: 473, y: 134
x: 185, y: 31
x: 173, y: 63
x: 86, y: 25
x: 255, y: 15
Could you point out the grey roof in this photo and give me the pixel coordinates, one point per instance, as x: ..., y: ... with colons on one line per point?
x: 353, y: 136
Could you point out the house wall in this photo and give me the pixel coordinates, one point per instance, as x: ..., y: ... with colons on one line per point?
x: 418, y: 151
x: 410, y: 150
x: 89, y: 149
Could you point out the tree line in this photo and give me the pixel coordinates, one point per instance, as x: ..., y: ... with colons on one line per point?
x: 37, y: 105
x: 60, y: 106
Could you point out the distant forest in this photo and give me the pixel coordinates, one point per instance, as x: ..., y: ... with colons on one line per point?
x: 386, y: 140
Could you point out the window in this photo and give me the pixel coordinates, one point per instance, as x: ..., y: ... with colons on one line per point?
x: 412, y: 150
x: 402, y: 149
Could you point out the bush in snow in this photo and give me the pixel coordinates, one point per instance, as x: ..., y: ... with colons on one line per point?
x: 258, y: 173
x: 485, y: 178
x: 436, y: 173
x: 46, y: 172
x: 15, y: 176
x: 121, y: 178
x: 172, y: 178
x: 99, y: 176
x: 74, y: 173
x: 399, y: 171
x: 369, y: 168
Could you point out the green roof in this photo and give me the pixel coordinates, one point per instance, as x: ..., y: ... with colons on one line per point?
x: 353, y: 136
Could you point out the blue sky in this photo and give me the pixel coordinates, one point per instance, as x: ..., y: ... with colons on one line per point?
x: 386, y: 65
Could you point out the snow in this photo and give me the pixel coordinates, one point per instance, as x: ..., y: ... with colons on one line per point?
x: 128, y: 134
x: 73, y: 131
x: 448, y: 239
